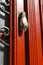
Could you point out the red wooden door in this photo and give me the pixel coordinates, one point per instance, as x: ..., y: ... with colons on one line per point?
x: 41, y: 15
x: 27, y: 48
x: 35, y: 39
x: 18, y: 41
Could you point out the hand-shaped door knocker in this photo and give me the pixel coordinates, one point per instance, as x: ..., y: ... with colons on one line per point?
x: 23, y: 21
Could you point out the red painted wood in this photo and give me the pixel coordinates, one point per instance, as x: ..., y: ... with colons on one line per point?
x: 32, y: 33
x: 19, y: 43
x: 35, y: 42
x: 10, y: 46
x: 38, y: 28
x: 41, y: 2
x: 20, y: 39
x: 42, y: 12
x: 14, y: 32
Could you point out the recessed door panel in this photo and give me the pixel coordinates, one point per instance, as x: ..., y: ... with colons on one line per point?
x: 35, y: 42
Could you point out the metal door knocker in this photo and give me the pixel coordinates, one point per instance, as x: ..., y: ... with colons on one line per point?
x: 23, y: 21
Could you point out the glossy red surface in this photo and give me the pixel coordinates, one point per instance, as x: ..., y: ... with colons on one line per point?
x: 26, y: 48
x: 35, y: 41
x: 41, y: 2
x: 19, y: 44
x: 10, y: 44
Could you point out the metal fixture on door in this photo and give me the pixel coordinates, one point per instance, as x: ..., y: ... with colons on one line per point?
x: 5, y: 3
x: 23, y: 21
x: 5, y: 30
x: 3, y: 9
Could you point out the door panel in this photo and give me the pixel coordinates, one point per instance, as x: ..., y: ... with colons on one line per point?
x: 30, y: 39
x: 33, y: 34
x: 41, y: 2
x: 25, y: 47
x: 38, y: 32
x: 35, y: 42
x: 19, y: 43
x: 20, y: 39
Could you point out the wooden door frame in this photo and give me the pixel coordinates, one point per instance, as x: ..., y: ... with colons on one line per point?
x: 10, y: 45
